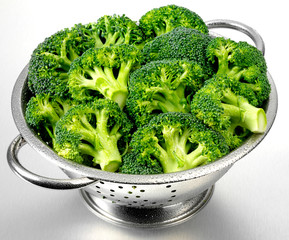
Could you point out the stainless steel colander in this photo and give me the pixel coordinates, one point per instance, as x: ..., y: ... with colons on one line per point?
x: 132, y: 200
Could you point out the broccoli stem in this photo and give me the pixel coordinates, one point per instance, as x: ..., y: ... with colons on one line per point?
x: 99, y: 142
x: 170, y: 100
x: 164, y: 27
x: 174, y: 150
x: 245, y: 115
x: 104, y: 81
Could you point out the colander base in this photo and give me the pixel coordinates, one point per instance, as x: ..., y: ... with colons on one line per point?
x: 146, y: 216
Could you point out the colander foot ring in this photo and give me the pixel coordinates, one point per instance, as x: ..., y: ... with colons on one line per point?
x: 161, y: 216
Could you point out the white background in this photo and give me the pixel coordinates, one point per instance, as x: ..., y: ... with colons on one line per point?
x: 250, y: 202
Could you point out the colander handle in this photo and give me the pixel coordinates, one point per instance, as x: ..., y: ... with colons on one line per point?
x: 18, y: 169
x: 241, y: 27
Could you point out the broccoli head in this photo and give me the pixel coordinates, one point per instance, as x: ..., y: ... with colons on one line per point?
x: 222, y: 105
x: 103, y: 72
x: 178, y: 141
x: 42, y: 113
x: 133, y: 165
x: 115, y: 30
x: 180, y: 43
x: 51, y: 60
x: 95, y: 133
x: 162, y: 86
x: 241, y: 62
x: 164, y: 19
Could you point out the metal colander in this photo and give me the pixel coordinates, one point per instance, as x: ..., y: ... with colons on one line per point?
x: 138, y: 200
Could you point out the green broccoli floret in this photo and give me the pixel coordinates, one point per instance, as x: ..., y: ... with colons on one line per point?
x: 115, y: 30
x: 51, y: 60
x: 42, y: 113
x: 222, y: 105
x: 162, y: 86
x: 164, y: 19
x: 241, y: 62
x: 103, y: 71
x: 95, y: 133
x: 132, y: 165
x: 112, y: 30
x: 178, y: 141
x: 180, y: 43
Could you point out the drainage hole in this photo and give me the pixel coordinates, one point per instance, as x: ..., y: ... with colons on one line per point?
x: 129, y: 192
x: 173, y: 191
x: 111, y: 195
x: 168, y: 186
x: 137, y: 196
x: 142, y: 190
x: 111, y: 190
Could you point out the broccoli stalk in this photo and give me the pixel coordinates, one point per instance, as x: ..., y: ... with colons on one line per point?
x: 102, y: 148
x: 90, y: 134
x: 242, y: 113
x: 174, y: 152
x: 222, y: 104
x: 178, y: 141
x: 103, y: 71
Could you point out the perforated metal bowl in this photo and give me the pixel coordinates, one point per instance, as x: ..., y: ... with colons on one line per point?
x: 133, y: 200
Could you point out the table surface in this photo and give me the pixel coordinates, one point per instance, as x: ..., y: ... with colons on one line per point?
x: 249, y: 202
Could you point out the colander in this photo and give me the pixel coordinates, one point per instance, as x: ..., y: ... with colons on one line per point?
x: 134, y: 200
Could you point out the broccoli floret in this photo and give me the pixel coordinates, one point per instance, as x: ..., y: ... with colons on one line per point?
x: 51, y: 60
x: 178, y: 141
x: 241, y: 62
x: 115, y: 30
x: 162, y: 86
x: 103, y: 71
x: 222, y: 105
x: 180, y: 43
x: 132, y: 165
x: 42, y: 113
x: 95, y: 132
x: 112, y: 30
x: 164, y: 19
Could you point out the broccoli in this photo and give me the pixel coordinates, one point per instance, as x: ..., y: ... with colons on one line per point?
x: 241, y: 62
x: 115, y: 30
x: 94, y: 133
x: 162, y: 86
x: 51, y: 60
x: 130, y: 165
x: 42, y: 113
x: 164, y: 19
x: 155, y: 97
x: 112, y: 30
x: 103, y: 71
x: 180, y: 43
x: 222, y: 105
x: 178, y: 141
